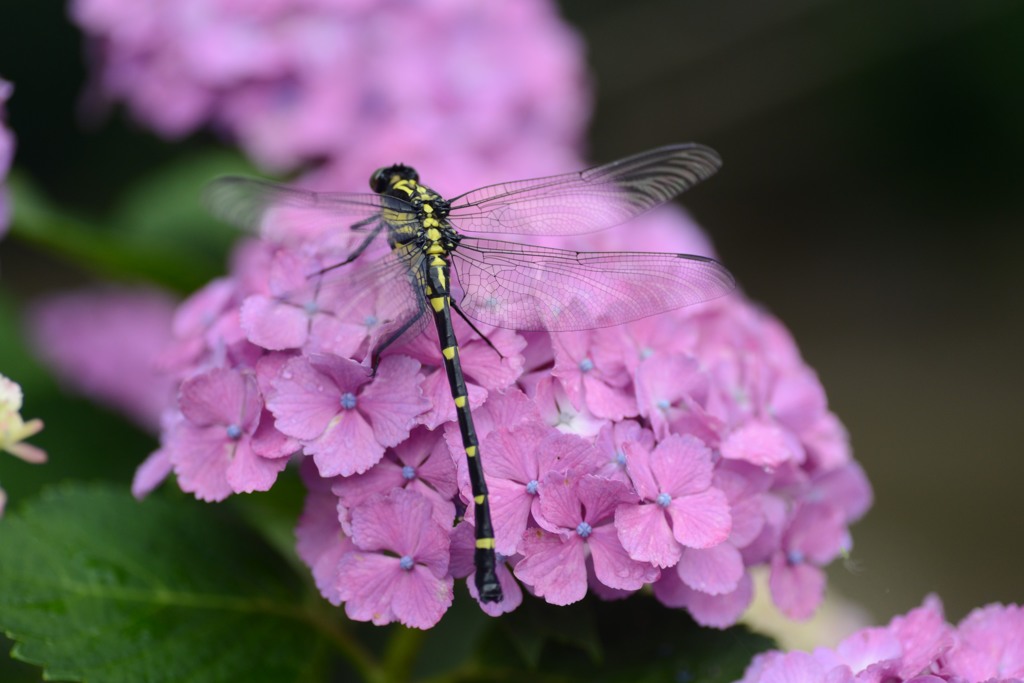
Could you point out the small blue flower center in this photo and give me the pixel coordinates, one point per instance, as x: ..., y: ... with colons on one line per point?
x: 795, y: 557
x: 646, y: 353
x: 234, y: 432
x: 531, y: 487
x: 663, y: 404
x: 663, y: 500
x: 348, y: 400
x: 408, y: 472
x: 586, y: 365
x: 620, y: 458
x: 370, y: 320
x: 583, y: 529
x: 406, y: 562
x: 310, y: 307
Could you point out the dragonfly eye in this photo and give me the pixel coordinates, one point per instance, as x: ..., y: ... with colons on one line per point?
x: 378, y: 181
x: 384, y: 177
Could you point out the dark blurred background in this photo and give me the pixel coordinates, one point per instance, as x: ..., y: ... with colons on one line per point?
x: 872, y: 198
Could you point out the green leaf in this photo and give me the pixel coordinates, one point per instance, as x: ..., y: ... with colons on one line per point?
x: 97, y: 586
x: 159, y: 231
x: 628, y: 641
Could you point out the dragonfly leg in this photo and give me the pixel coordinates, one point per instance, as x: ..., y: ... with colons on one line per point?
x: 355, y: 254
x: 473, y: 327
x: 391, y: 339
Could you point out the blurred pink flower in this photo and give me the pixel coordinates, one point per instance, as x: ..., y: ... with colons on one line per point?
x: 920, y: 647
x: 6, y: 155
x: 314, y: 79
x: 106, y: 343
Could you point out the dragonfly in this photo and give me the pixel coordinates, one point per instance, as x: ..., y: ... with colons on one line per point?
x: 417, y: 252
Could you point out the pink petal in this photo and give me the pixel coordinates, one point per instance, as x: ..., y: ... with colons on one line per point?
x: 367, y: 583
x: 512, y: 594
x: 346, y: 447
x: 558, y: 506
x: 553, y: 566
x: 701, y: 520
x: 600, y: 497
x: 337, y: 337
x: 638, y: 466
x: 492, y: 373
x: 644, y: 533
x: 989, y: 644
x: 714, y: 571
x: 924, y: 635
x: 346, y: 374
x: 796, y: 589
x: 681, y: 465
x: 717, y: 611
x: 421, y: 598
x: 613, y: 566
x: 437, y: 392
x: 302, y: 405
x: 274, y: 324
x: 759, y: 443
x: 402, y: 523
x: 393, y: 400
x: 201, y: 457
x: 151, y: 473
x: 220, y: 396
x: 250, y: 472
x: 510, y: 510
x: 721, y: 611
x: 513, y: 454
x: 607, y: 402
x: 792, y: 667
x: 868, y: 646
x: 320, y: 542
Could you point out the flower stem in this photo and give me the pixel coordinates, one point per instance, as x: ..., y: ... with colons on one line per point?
x: 403, y: 647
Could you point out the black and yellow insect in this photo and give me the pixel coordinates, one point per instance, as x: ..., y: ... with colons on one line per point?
x: 414, y: 253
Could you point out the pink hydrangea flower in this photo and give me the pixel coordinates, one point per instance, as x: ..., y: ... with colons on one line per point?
x: 678, y: 508
x: 212, y: 449
x: 6, y: 156
x: 341, y: 415
x: 920, y: 647
x: 399, y: 568
x: 517, y: 460
x: 421, y: 463
x: 577, y: 530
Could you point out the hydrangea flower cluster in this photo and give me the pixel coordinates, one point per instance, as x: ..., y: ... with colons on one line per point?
x: 920, y: 647
x: 675, y: 452
x: 14, y: 430
x: 6, y: 156
x: 300, y: 80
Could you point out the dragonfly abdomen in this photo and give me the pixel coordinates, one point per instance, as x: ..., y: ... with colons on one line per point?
x: 485, y: 560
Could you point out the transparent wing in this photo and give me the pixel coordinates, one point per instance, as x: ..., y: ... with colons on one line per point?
x: 585, y: 201
x: 261, y: 206
x: 384, y: 296
x: 526, y: 287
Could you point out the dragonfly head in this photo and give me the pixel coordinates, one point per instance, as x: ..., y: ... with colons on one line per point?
x: 383, y: 178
